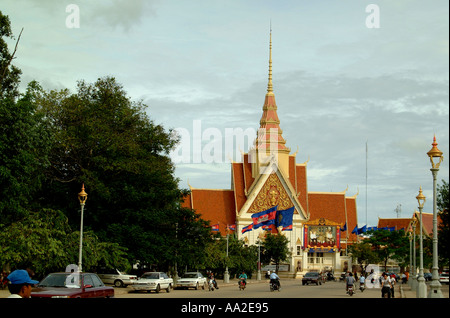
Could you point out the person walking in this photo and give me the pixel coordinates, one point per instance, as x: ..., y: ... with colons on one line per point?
x: 385, y: 286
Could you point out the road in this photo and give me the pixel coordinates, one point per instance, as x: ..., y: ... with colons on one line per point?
x: 290, y: 289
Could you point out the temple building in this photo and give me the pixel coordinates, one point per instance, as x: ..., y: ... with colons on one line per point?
x: 270, y: 178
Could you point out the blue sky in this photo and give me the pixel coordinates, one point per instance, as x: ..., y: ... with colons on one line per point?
x: 338, y: 84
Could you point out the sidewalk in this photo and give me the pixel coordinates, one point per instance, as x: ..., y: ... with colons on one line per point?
x: 406, y: 292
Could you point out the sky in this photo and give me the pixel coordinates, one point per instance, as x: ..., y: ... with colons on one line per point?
x: 361, y: 90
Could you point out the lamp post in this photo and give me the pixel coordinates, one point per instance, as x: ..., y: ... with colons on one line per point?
x: 82, y: 197
x: 421, y: 291
x: 436, y: 157
x: 414, y: 268
x: 226, y: 275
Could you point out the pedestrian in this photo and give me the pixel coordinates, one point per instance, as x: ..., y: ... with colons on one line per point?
x: 385, y: 286
x: 393, y: 281
x: 404, y: 278
x: 20, y: 284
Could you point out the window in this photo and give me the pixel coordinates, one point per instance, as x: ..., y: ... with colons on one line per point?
x: 299, y: 248
x: 97, y: 281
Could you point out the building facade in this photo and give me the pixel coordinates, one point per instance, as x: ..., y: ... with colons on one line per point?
x: 268, y: 176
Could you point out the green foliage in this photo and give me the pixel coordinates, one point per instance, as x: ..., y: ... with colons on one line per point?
x: 275, y: 249
x: 44, y: 242
x: 389, y: 245
x: 363, y: 254
x: 9, y: 74
x: 442, y: 202
x: 240, y: 256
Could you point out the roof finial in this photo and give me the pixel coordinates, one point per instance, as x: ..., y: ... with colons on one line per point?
x: 269, y: 85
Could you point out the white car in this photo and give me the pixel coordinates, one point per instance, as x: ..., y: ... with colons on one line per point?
x: 192, y: 280
x: 153, y: 281
x: 115, y: 277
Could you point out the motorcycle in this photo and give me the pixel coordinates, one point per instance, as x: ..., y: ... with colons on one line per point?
x: 362, y: 287
x: 350, y: 290
x: 241, y: 284
x: 274, y: 285
x: 211, y: 285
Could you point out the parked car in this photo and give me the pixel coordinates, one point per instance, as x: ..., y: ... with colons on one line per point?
x: 115, y: 277
x: 153, y: 281
x: 72, y: 285
x: 312, y: 278
x: 443, y: 278
x: 427, y: 276
x: 192, y: 280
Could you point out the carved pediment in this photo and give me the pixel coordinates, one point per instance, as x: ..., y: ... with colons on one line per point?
x: 322, y: 221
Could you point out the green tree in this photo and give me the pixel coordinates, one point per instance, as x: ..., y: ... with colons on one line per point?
x: 389, y: 245
x: 275, y: 249
x: 9, y: 74
x: 442, y: 202
x: 105, y: 140
x: 45, y: 242
x: 364, y: 254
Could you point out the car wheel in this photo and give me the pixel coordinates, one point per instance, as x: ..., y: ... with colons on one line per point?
x: 118, y: 283
x: 158, y: 288
x: 168, y: 288
x: 196, y: 286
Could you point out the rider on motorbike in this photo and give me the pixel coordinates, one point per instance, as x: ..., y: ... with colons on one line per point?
x: 350, y: 280
x: 362, y: 282
x: 243, y: 276
x: 274, y: 279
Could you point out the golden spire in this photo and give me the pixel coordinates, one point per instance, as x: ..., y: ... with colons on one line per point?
x: 269, y: 85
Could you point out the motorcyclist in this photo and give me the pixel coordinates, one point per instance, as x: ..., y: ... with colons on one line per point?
x: 274, y: 279
x: 243, y: 276
x: 212, y: 278
x: 362, y: 282
x: 350, y: 280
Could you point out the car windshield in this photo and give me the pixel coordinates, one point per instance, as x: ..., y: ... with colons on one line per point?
x: 190, y: 275
x: 150, y: 276
x: 67, y: 280
x: 311, y: 274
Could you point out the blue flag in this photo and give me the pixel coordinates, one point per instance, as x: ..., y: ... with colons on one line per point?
x: 284, y: 218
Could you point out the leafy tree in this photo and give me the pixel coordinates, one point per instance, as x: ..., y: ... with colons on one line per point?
x: 364, y: 254
x: 275, y: 249
x: 240, y: 256
x: 9, y: 74
x: 389, y: 245
x: 45, y: 242
x: 23, y: 137
x: 442, y: 202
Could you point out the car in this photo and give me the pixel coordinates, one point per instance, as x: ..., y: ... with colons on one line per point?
x: 72, y: 285
x: 115, y: 277
x: 153, y: 281
x: 427, y: 276
x: 443, y: 278
x: 312, y: 278
x: 192, y: 280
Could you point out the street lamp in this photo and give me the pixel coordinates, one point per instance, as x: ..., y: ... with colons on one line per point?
x: 421, y: 291
x: 436, y: 157
x: 82, y: 197
x: 414, y: 269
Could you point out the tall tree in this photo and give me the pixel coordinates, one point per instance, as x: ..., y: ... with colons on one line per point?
x: 105, y: 140
x: 9, y: 74
x: 443, y: 231
x: 275, y: 249
x: 389, y: 245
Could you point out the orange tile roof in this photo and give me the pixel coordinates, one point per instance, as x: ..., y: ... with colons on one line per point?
x: 216, y: 206
x: 398, y: 223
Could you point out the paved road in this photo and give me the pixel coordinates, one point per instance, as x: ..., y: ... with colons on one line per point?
x: 290, y: 289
